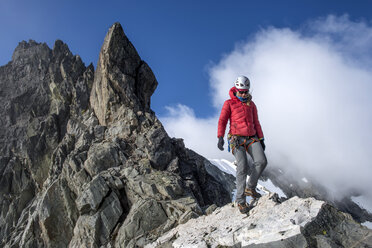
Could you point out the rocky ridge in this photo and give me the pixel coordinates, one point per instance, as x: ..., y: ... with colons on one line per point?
x: 84, y: 160
x: 295, y: 223
x: 293, y: 185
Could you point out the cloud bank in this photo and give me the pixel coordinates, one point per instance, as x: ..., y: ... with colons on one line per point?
x: 312, y: 88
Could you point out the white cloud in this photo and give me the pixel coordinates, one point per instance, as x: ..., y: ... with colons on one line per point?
x: 198, y: 134
x: 312, y: 88
x: 353, y: 39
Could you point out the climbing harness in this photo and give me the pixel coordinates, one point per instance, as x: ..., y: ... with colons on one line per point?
x: 233, y: 142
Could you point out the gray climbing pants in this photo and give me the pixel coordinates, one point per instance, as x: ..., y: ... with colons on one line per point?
x: 259, y: 164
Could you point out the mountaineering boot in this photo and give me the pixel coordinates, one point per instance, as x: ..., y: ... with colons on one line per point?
x: 252, y: 192
x: 243, y: 208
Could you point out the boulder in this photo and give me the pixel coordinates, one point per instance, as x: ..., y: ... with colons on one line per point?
x: 92, y: 196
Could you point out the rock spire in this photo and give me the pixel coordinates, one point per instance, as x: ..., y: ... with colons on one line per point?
x: 121, y: 78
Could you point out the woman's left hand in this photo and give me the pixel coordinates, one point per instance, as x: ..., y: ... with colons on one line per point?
x: 263, y: 144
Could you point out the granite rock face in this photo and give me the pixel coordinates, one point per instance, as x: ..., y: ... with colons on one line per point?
x: 84, y: 161
x: 294, y: 223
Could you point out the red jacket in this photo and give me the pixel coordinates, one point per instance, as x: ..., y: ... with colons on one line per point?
x: 243, y: 117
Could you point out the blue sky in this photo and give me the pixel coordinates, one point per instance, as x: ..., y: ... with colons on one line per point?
x: 180, y: 40
x: 310, y: 65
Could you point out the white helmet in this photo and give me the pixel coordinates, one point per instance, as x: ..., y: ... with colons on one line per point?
x: 242, y: 83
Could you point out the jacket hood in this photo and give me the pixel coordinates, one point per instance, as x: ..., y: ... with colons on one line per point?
x: 232, y: 93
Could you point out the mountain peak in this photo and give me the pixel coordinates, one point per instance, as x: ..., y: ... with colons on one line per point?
x: 60, y: 49
x: 117, y: 50
x: 121, y: 79
x: 27, y: 51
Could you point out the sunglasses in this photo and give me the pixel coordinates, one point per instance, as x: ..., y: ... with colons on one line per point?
x: 243, y: 91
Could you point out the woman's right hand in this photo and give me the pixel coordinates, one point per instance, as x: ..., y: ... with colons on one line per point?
x: 220, y: 143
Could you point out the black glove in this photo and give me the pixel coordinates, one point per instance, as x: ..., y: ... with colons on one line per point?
x: 263, y: 144
x: 220, y: 143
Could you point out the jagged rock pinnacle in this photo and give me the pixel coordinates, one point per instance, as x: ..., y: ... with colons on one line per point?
x: 121, y: 78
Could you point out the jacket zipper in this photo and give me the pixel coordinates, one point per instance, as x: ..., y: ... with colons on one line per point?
x: 245, y: 106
